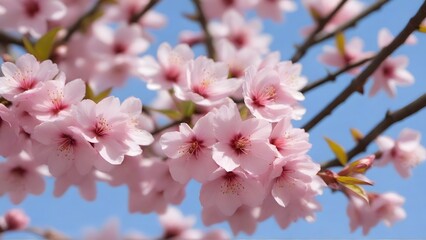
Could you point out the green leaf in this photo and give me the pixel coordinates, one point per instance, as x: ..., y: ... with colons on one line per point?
x: 338, y: 151
x: 356, y: 134
x: 244, y: 112
x: 340, y: 43
x: 187, y: 108
x: 29, y: 46
x: 422, y: 28
x: 352, y: 180
x: 357, y: 190
x: 314, y: 13
x: 96, y: 98
x: 44, y: 45
x: 172, y: 114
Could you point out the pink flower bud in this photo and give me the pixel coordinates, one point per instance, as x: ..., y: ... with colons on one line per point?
x: 16, y: 219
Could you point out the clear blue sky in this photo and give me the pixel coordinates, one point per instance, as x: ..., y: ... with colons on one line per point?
x: 71, y: 214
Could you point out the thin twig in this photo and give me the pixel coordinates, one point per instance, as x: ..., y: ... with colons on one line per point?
x: 169, y: 125
x: 390, y: 118
x: 208, y: 39
x: 135, y: 18
x: 301, y: 50
x: 79, y: 23
x: 358, y: 83
x: 332, y: 76
x: 352, y: 23
x: 7, y: 39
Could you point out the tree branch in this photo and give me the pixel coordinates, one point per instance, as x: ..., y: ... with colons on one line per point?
x: 301, y: 50
x: 79, y: 23
x: 332, y: 76
x: 352, y: 23
x: 390, y: 118
x: 208, y: 39
x: 358, y: 83
x: 7, y: 39
x: 135, y: 18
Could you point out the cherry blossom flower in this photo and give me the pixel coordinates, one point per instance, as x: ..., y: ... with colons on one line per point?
x: 353, y: 53
x: 227, y: 191
x: 322, y: 8
x: 123, y: 10
x: 86, y: 184
x: 190, y: 151
x: 63, y: 145
x: 241, y: 33
x: 386, y: 207
x: 241, y: 143
x: 8, y: 132
x: 392, y: 72
x: 292, y: 178
x: 172, y: 66
x: 156, y: 190
x: 105, y: 126
x: 267, y: 96
x: 55, y: 98
x: 238, y: 60
x: 31, y: 16
x: 289, y: 141
x: 274, y: 9
x: 405, y: 152
x: 304, y: 208
x: 116, y: 53
x: 24, y: 77
x: 175, y: 224
x: 21, y: 175
x: 214, y: 9
x: 16, y: 219
x: 207, y: 82
x: 243, y: 220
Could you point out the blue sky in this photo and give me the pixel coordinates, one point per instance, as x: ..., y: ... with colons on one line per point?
x: 71, y: 214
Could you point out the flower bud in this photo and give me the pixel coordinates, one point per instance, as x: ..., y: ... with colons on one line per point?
x: 16, y: 219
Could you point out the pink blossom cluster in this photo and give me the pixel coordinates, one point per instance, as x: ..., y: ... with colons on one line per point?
x: 264, y: 8
x: 404, y: 153
x: 390, y: 74
x: 384, y: 207
x: 174, y: 224
x: 47, y: 123
x: 239, y: 161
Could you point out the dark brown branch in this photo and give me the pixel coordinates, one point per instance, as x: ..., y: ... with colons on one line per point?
x: 352, y: 23
x: 135, y: 18
x: 390, y: 118
x: 332, y: 76
x: 208, y: 39
x: 358, y: 83
x: 301, y: 50
x: 169, y: 125
x: 79, y: 23
x: 7, y: 39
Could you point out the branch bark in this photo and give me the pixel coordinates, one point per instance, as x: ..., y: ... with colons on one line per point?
x: 79, y: 23
x: 352, y: 23
x: 389, y: 120
x: 135, y: 18
x: 358, y: 83
x: 208, y: 39
x: 332, y: 76
x: 301, y: 50
x: 7, y: 39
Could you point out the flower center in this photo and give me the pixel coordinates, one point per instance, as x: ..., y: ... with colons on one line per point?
x: 66, y: 143
x: 192, y: 147
x: 18, y: 171
x: 101, y: 127
x: 240, y: 144
x: 231, y: 185
x: 32, y: 8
